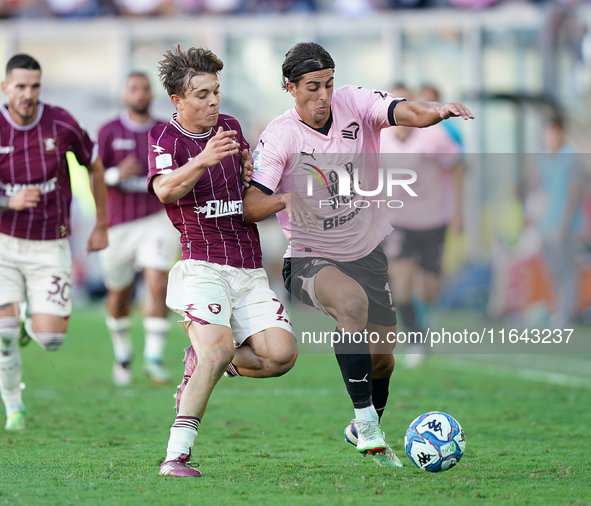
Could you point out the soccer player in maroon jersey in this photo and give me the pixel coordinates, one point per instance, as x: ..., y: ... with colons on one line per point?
x: 35, y: 260
x: 235, y: 322
x: 140, y: 234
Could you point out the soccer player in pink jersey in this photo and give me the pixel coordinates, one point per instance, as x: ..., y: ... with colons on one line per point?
x: 140, y: 234
x: 415, y: 247
x: 334, y: 261
x: 234, y: 321
x: 35, y: 196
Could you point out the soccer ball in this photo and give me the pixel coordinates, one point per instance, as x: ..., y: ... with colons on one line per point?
x: 435, y: 442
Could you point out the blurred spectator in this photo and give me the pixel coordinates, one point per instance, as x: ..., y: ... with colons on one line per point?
x: 146, y: 7
x: 74, y: 8
x: 560, y: 183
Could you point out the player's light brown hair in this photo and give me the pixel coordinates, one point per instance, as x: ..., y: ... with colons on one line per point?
x: 179, y: 66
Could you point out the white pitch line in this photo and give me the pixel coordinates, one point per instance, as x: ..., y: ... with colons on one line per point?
x: 538, y: 375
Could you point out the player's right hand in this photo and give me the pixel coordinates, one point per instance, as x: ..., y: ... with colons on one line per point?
x: 129, y: 167
x: 220, y: 146
x: 28, y: 197
x: 300, y: 211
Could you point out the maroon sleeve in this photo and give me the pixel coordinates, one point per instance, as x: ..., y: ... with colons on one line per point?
x: 104, y: 146
x: 79, y: 142
x: 161, y: 153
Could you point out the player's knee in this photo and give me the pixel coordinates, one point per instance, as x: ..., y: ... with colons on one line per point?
x: 217, y: 356
x: 50, y: 341
x: 353, y: 309
x: 282, y: 362
x: 382, y: 366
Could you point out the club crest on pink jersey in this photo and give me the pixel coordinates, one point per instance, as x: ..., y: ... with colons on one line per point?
x: 215, y: 308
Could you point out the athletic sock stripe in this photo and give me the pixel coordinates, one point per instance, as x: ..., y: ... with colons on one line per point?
x: 187, y: 422
x: 50, y: 340
x: 9, y: 322
x: 232, y: 371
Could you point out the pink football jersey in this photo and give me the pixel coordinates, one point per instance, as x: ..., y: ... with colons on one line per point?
x: 324, y: 170
x: 431, y: 153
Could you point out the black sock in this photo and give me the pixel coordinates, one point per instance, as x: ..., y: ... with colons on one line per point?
x: 407, y: 312
x: 355, y: 362
x: 380, y: 394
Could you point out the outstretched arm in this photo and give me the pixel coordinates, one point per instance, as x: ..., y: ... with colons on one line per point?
x: 424, y: 114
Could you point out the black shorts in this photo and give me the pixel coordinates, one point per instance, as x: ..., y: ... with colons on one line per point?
x: 371, y: 272
x: 424, y: 246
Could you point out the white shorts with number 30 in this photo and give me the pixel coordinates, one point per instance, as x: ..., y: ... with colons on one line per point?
x: 36, y: 271
x: 237, y: 298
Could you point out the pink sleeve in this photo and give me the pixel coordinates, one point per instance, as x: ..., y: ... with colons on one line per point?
x: 373, y: 105
x: 269, y: 161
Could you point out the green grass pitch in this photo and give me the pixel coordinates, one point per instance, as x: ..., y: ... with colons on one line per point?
x: 279, y: 441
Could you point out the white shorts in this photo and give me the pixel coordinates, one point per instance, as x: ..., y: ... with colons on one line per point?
x: 148, y: 242
x: 240, y: 299
x: 38, y: 272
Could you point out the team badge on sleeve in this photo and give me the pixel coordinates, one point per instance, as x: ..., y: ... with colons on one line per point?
x: 163, y: 161
x: 256, y: 160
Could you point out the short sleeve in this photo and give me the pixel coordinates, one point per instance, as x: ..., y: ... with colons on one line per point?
x: 269, y: 160
x: 104, y: 146
x: 161, y: 154
x: 376, y: 107
x: 80, y: 142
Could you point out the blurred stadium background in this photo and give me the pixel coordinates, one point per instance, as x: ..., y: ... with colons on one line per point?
x: 510, y: 62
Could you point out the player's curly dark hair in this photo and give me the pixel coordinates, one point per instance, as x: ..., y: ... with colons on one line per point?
x: 179, y: 66
x: 22, y: 61
x: 303, y: 58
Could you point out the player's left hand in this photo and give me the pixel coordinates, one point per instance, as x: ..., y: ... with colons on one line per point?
x: 454, y: 109
x: 98, y: 239
x: 247, y: 167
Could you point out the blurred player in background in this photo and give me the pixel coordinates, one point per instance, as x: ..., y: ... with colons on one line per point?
x: 415, y: 247
x: 342, y: 271
x: 140, y: 235
x: 35, y: 196
x: 235, y: 322
x: 560, y: 181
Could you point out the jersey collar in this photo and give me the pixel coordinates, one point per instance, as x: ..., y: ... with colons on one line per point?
x: 192, y: 135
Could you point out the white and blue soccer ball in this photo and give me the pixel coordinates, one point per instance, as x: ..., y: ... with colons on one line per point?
x: 435, y: 442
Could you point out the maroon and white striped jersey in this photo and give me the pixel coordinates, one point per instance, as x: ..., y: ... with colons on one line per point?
x: 129, y: 200
x: 209, y: 217
x: 35, y: 154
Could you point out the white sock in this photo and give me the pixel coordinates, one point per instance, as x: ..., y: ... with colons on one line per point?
x: 156, y: 329
x: 182, y: 435
x: 10, y: 366
x: 368, y: 414
x: 119, y: 330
